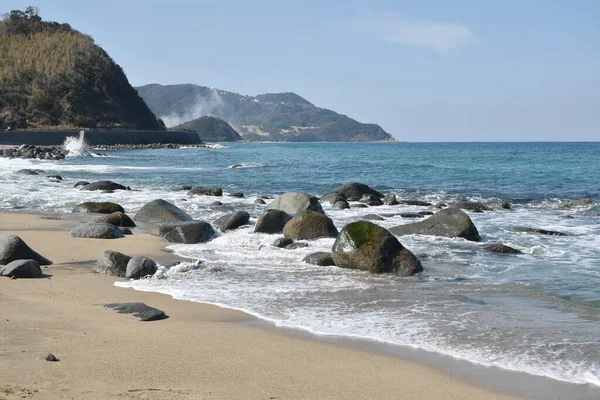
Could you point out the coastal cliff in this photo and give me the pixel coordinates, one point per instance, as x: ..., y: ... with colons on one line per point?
x: 54, y: 76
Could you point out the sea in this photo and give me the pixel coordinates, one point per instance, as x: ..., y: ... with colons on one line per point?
x: 537, y: 312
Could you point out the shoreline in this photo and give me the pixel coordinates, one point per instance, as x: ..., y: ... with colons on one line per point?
x: 169, y: 357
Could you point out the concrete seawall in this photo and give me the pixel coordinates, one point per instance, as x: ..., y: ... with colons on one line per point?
x: 95, y: 138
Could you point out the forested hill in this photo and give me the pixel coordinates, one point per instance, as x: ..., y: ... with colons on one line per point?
x: 54, y: 76
x: 211, y: 129
x: 266, y: 117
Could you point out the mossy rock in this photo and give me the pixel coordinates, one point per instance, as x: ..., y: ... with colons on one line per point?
x: 310, y: 225
x: 99, y: 207
x: 578, y: 203
x: 366, y: 246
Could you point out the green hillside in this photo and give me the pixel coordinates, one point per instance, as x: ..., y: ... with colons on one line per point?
x: 211, y: 129
x: 266, y: 117
x: 54, y: 76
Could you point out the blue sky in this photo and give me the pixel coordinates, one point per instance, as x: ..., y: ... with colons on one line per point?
x: 425, y: 71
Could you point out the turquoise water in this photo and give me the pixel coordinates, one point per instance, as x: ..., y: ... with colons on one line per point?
x: 537, y: 312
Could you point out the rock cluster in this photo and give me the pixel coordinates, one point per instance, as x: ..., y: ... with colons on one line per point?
x: 31, y: 151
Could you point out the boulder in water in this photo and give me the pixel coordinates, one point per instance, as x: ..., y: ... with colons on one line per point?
x: 310, y: 225
x: 414, y: 203
x: 366, y: 246
x: 272, y: 221
x: 294, y: 202
x: 14, y: 248
x: 160, y: 212
x: 449, y: 222
x: 474, y: 206
x: 26, y: 172
x: 352, y: 192
x: 205, y: 191
x: 186, y: 232
x: 98, y: 207
x: 540, y: 231
x: 390, y: 199
x: 282, y: 242
x: 232, y: 221
x: 578, y: 203
x: 104, y: 186
x: 502, y: 249
x: 320, y: 258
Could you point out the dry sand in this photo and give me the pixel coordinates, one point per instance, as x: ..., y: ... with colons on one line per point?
x: 199, y: 352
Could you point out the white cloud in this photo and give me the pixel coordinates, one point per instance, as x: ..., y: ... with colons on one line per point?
x: 440, y: 37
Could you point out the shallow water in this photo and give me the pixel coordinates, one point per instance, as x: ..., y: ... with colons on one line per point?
x: 537, y: 312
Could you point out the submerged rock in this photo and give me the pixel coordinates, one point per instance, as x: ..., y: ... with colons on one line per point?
x: 449, y: 222
x: 578, y: 203
x: 321, y: 258
x: 282, y: 242
x: 470, y: 205
x: 310, y: 225
x: 205, y: 191
x: 540, y: 231
x: 14, y: 248
x: 103, y: 185
x: 414, y: 203
x: 369, y: 247
x: 502, y: 248
x: 352, y: 192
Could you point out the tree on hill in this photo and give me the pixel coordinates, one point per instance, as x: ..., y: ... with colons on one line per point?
x: 52, y: 75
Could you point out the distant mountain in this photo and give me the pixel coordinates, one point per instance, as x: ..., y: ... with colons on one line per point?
x: 266, y: 117
x: 211, y: 129
x: 54, y: 76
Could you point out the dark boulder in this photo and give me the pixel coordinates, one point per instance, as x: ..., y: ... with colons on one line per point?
x: 205, y: 191
x: 272, y: 221
x: 22, y: 269
x: 138, y: 310
x: 103, y: 185
x: 502, y: 249
x: 139, y: 267
x: 160, y: 212
x: 540, y: 231
x: 372, y: 217
x: 414, y: 203
x: 365, y: 246
x: 470, y: 205
x: 81, y: 183
x: 96, y: 231
x: 578, y: 203
x: 296, y: 245
x: 14, y: 248
x: 341, y: 204
x: 216, y: 204
x: 336, y: 198
x: 186, y: 232
x: 98, y: 207
x: 282, y: 242
x: 239, y: 195
x: 294, y: 202
x: 359, y: 205
x: 259, y: 201
x: 56, y: 177
x: 26, y: 172
x: 112, y: 263
x: 321, y: 258
x: 411, y: 215
x: 310, y: 225
x: 117, y: 219
x: 449, y: 222
x: 232, y: 221
x: 352, y: 192
x: 124, y: 230
x: 390, y: 199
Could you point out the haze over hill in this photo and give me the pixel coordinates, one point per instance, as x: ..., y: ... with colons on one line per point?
x: 54, y: 76
x: 266, y: 117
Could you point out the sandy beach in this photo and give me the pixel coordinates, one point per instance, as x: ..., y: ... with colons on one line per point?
x: 199, y: 352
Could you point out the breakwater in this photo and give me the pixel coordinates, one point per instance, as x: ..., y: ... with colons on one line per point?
x: 99, y: 138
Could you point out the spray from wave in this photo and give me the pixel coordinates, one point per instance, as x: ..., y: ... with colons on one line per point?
x: 75, y: 146
x: 208, y: 103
